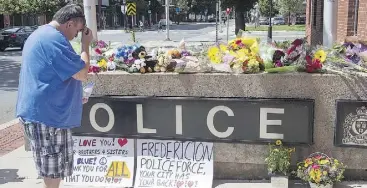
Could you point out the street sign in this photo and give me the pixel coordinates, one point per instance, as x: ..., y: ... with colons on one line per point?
x: 178, y: 9
x: 131, y: 9
x: 204, y: 119
x: 123, y: 9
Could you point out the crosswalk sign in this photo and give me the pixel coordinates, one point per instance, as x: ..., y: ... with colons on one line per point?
x: 131, y: 9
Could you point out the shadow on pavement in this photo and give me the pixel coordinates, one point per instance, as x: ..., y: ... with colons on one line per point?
x: 9, y: 74
x: 9, y: 175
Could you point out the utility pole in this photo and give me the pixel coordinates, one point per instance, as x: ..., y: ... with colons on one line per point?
x: 220, y: 16
x: 90, y: 16
x: 167, y: 20
x: 216, y: 21
x: 270, y: 29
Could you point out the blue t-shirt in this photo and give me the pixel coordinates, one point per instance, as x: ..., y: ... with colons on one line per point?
x: 47, y: 92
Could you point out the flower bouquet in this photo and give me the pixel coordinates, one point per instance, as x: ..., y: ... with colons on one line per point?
x: 288, y: 59
x: 279, y: 158
x: 279, y: 161
x: 348, y: 56
x: 320, y: 170
x: 131, y: 58
x: 314, y: 63
x: 241, y: 55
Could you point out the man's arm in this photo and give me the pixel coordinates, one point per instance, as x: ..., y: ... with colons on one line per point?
x: 83, y: 74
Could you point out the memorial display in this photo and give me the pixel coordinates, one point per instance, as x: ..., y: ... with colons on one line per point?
x: 247, y: 55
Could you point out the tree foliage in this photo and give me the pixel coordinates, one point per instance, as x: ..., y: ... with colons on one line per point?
x: 44, y: 6
x: 265, y: 8
x: 291, y: 6
x: 30, y: 6
x: 241, y: 7
x: 13, y: 7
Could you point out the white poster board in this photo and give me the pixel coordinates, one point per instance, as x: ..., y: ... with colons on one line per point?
x: 102, y: 161
x: 174, y: 164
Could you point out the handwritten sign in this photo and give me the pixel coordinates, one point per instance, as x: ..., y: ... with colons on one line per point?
x: 102, y: 162
x: 176, y: 164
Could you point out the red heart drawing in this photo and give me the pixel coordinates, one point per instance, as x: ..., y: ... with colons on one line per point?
x: 122, y: 142
x: 85, y: 142
x: 190, y: 183
x: 179, y: 184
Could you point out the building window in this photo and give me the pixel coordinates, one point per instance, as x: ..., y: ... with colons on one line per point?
x: 352, y: 17
x: 314, y: 12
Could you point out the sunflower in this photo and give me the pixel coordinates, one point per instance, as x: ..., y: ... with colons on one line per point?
x: 102, y: 63
x: 278, y: 142
x: 214, y: 55
x: 320, y: 55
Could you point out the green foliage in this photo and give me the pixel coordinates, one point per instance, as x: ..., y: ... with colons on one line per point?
x: 239, y: 5
x: 265, y: 8
x: 30, y: 6
x: 279, y: 158
x: 13, y: 7
x: 291, y: 6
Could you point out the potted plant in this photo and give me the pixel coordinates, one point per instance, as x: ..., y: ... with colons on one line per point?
x: 320, y: 170
x: 279, y: 161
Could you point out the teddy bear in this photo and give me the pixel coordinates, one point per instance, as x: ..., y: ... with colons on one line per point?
x: 164, y: 61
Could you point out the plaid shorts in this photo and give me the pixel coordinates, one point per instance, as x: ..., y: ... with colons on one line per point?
x: 52, y: 149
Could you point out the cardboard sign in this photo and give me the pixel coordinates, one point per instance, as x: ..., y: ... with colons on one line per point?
x: 174, y: 164
x: 102, y: 162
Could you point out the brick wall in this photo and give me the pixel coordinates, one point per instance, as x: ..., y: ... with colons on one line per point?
x: 345, y: 21
x: 362, y: 20
x: 342, y: 20
x: 314, y: 21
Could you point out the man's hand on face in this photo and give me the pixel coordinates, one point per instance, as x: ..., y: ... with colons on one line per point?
x: 87, y: 36
x: 84, y: 100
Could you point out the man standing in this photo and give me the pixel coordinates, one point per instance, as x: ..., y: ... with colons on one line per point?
x: 50, y: 91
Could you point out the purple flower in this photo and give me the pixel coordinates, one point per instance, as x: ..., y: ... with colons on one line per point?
x: 278, y: 63
x: 185, y: 53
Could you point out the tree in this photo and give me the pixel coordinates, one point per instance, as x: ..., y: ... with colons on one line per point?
x: 290, y: 6
x: 265, y: 8
x: 44, y: 6
x: 240, y: 6
x: 12, y: 7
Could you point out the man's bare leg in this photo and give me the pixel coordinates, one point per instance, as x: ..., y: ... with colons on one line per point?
x: 52, y: 183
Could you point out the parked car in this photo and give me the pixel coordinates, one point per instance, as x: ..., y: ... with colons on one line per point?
x: 301, y: 20
x: 264, y: 21
x: 278, y: 21
x: 15, y: 36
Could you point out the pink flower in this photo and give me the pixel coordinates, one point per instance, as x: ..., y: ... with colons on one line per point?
x: 315, y: 166
x: 98, y: 51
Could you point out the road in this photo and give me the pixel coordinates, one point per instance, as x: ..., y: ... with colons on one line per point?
x: 193, y: 32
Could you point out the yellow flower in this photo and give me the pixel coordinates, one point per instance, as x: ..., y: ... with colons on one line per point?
x: 324, y: 173
x: 325, y: 161
x: 320, y: 55
x: 278, y: 142
x: 102, y: 63
x: 214, y: 55
x: 248, y: 41
x: 223, y: 48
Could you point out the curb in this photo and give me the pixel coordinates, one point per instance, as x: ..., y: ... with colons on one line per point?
x: 9, y: 124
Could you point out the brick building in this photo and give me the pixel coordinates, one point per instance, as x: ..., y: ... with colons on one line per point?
x: 351, y: 20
